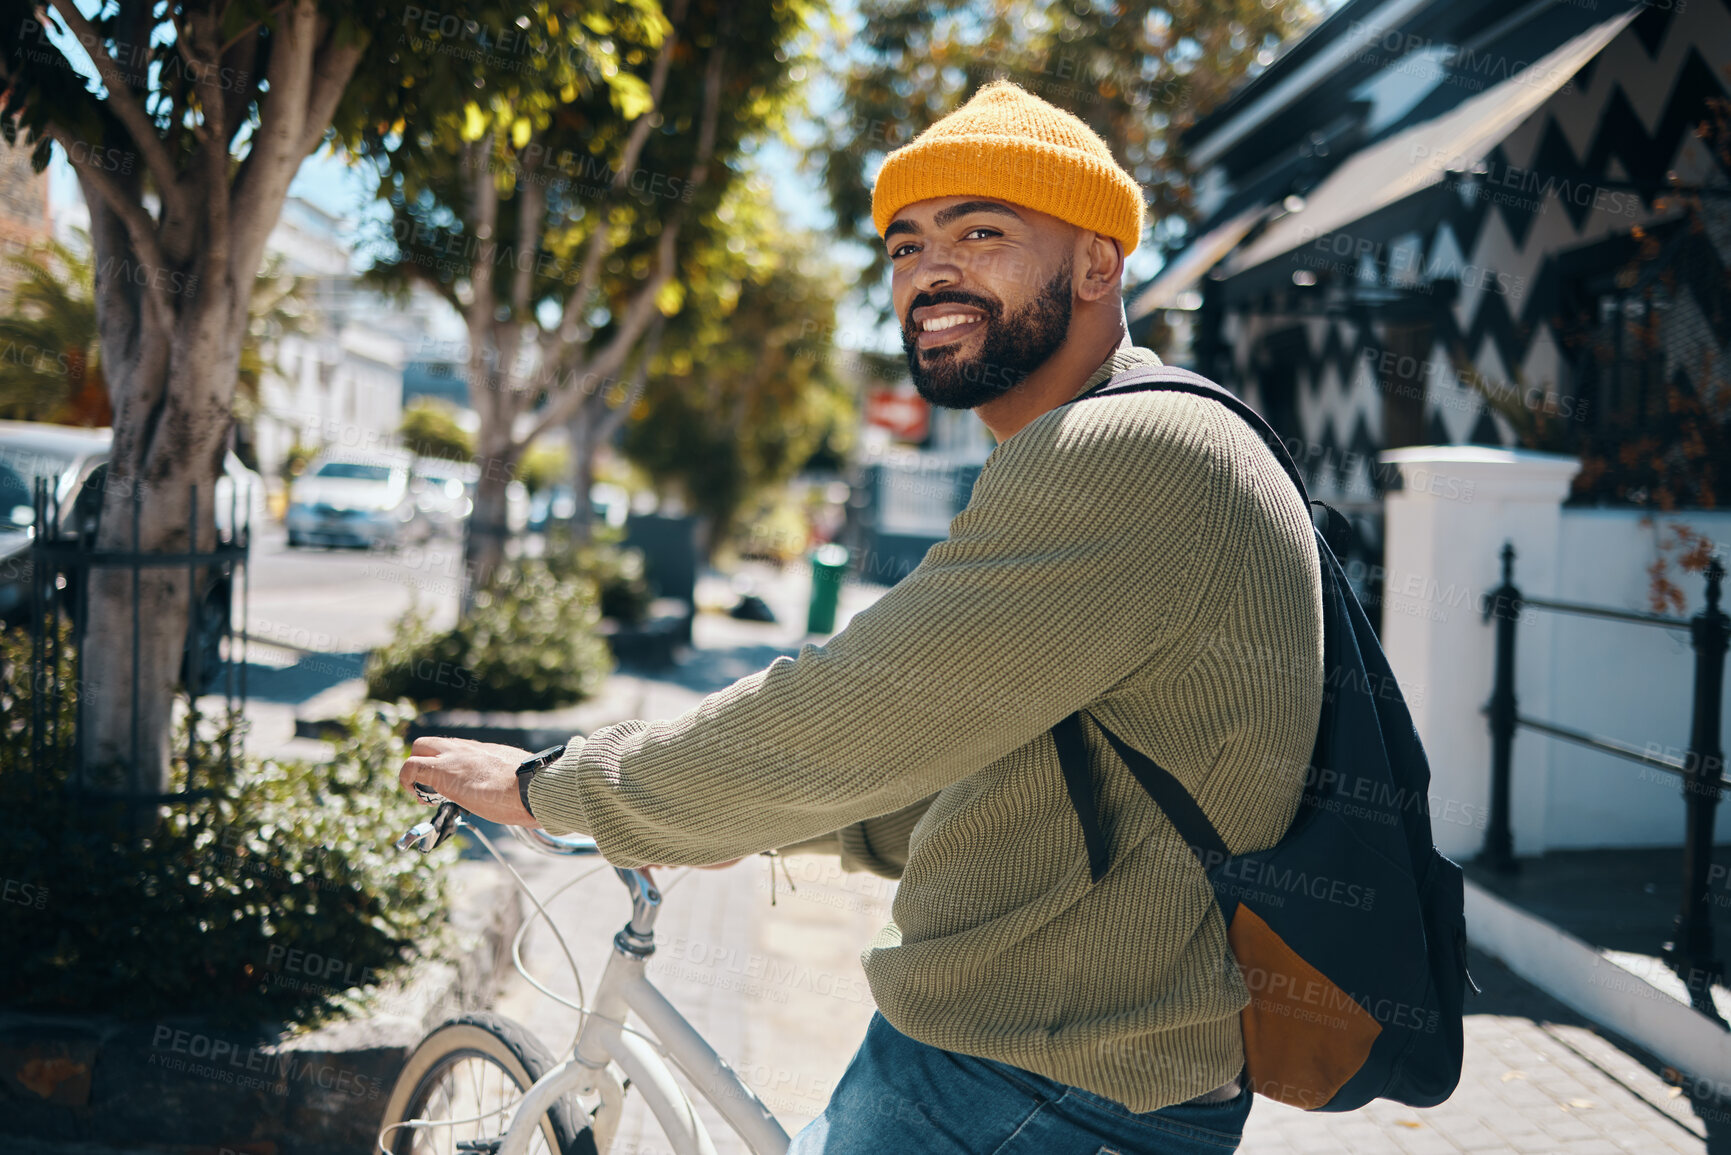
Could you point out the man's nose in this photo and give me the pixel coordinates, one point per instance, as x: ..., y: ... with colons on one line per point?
x: 937, y: 269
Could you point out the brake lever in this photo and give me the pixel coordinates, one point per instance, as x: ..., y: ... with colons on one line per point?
x: 430, y: 835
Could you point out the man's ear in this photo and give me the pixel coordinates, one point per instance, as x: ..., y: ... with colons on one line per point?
x: 1102, y: 264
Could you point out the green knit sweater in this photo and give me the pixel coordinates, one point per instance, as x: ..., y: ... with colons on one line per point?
x: 1143, y: 557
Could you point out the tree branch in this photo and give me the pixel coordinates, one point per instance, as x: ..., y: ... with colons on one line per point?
x: 333, y: 68
x: 240, y: 58
x: 643, y: 305
x: 308, y: 72
x: 531, y: 220
x: 208, y: 83
x: 140, y: 229
x: 603, y: 427
x: 124, y: 103
x: 567, y: 330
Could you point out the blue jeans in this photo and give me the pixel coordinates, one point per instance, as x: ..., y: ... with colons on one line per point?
x: 907, y: 1098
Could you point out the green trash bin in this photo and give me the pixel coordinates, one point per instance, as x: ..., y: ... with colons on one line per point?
x: 828, y: 568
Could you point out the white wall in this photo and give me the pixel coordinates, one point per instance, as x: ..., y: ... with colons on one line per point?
x: 1634, y: 683
x: 343, y: 388
x: 1443, y: 535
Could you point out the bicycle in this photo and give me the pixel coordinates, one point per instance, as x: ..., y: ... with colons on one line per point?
x: 516, y: 1098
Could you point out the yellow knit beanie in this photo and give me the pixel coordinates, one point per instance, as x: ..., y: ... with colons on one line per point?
x: 1008, y: 144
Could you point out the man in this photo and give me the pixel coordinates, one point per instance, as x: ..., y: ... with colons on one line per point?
x: 1142, y: 557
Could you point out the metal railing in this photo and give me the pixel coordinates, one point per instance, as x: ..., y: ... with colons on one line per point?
x: 64, y: 559
x: 1691, y: 951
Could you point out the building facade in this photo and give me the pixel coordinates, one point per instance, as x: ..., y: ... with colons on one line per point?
x: 1462, y: 222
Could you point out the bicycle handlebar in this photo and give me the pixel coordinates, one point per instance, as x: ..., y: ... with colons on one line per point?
x: 554, y: 844
x: 426, y: 836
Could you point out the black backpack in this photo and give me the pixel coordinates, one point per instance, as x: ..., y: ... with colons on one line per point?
x: 1350, y: 932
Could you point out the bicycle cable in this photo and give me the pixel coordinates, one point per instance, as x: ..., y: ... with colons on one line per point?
x: 584, y: 1013
x: 541, y: 911
x: 426, y: 1124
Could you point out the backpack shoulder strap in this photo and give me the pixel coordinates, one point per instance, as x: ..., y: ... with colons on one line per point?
x: 1172, y: 379
x: 1167, y: 792
x: 1073, y: 758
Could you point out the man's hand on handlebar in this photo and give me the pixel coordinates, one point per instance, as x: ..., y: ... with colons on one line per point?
x: 481, y: 777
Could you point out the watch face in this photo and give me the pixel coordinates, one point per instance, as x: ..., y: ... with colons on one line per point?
x: 545, y: 758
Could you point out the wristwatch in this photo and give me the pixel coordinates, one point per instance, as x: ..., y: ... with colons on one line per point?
x: 536, y: 762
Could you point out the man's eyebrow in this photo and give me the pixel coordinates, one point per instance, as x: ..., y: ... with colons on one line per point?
x: 945, y: 216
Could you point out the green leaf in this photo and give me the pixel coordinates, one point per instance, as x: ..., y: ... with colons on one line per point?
x: 670, y: 298
x: 630, y: 94
x: 474, y: 122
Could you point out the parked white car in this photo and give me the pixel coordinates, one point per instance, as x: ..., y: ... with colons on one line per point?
x: 353, y: 498
x: 443, y: 492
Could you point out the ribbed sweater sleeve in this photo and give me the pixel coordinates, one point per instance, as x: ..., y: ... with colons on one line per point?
x: 1090, y: 549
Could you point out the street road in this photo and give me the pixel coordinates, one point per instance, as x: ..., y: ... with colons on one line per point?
x: 346, y: 600
x: 311, y: 615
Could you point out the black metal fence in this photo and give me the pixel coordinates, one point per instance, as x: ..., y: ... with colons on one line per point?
x: 1691, y: 951
x: 63, y: 561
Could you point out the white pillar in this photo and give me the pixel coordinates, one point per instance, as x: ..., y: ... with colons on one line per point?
x: 1444, y: 530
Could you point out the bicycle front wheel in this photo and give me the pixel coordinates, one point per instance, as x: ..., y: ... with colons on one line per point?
x: 460, y: 1089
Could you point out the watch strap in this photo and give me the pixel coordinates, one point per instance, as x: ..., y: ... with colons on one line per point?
x: 530, y: 767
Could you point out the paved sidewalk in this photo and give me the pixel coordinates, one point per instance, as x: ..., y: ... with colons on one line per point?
x: 1537, y: 1080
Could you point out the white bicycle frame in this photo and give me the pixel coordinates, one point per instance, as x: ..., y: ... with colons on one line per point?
x: 604, y: 1038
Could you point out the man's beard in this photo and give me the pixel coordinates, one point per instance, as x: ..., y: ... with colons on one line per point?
x: 1014, y: 346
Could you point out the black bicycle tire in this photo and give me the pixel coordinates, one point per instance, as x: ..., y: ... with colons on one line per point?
x: 457, y: 1037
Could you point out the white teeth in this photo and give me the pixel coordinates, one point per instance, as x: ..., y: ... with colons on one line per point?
x: 949, y: 322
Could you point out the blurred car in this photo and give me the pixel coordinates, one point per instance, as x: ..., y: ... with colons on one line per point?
x: 608, y: 504
x: 354, y: 498
x: 450, y: 508
x: 63, y: 456
x: 74, y: 462
x: 550, y: 507
x: 443, y: 492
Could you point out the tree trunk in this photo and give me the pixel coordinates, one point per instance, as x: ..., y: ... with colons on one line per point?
x: 167, y: 441
x: 172, y: 287
x: 489, y: 529
x: 580, y: 432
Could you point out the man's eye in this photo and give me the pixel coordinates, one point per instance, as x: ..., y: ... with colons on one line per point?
x: 981, y: 229
x: 900, y: 251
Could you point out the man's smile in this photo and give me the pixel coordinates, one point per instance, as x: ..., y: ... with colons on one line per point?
x: 944, y: 324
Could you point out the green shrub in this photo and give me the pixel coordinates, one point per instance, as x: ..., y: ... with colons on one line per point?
x: 529, y: 643
x: 280, y: 862
x: 617, y: 571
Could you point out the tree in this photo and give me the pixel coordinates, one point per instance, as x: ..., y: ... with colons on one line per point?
x: 184, y: 121
x: 744, y: 390
x: 551, y: 203
x: 1138, y: 73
